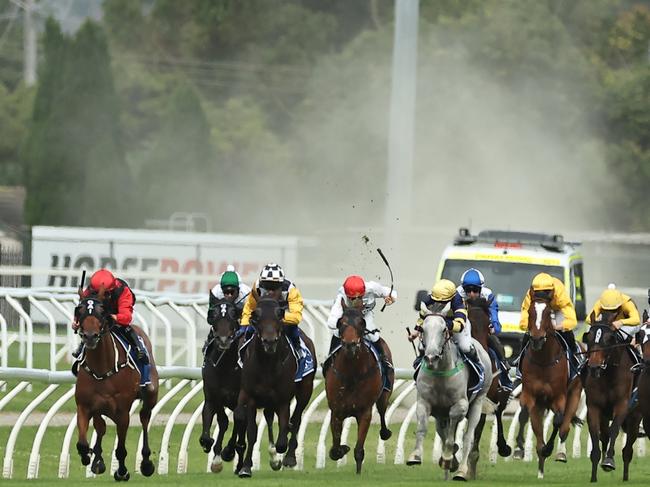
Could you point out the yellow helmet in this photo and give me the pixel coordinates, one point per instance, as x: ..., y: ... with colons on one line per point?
x: 542, y: 282
x: 443, y: 290
x: 611, y: 299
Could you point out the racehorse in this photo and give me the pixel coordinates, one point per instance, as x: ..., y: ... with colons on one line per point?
x: 353, y: 383
x: 643, y: 400
x: 268, y: 374
x: 221, y: 382
x: 108, y: 384
x: 608, y: 386
x: 478, y: 312
x: 442, y: 392
x: 545, y: 372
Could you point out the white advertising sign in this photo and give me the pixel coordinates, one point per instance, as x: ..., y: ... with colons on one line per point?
x: 134, y: 252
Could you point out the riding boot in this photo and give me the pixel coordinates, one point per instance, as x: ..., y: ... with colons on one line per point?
x: 570, y: 339
x: 77, y: 353
x: 495, y: 344
x: 383, y: 362
x: 473, y: 356
x: 134, y: 341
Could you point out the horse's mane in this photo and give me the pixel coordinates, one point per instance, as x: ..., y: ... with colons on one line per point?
x: 479, y: 302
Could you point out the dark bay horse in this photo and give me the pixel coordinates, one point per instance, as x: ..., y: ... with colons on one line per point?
x: 221, y: 383
x: 108, y: 384
x: 478, y: 311
x: 269, y: 369
x: 545, y: 372
x: 353, y: 384
x: 608, y: 386
x: 643, y: 402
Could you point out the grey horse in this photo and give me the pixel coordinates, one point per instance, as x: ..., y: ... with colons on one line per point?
x: 442, y: 392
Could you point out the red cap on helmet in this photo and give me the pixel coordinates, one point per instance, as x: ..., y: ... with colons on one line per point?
x: 102, y: 277
x: 354, y: 286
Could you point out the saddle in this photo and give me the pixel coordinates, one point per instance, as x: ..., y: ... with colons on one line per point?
x: 304, y: 358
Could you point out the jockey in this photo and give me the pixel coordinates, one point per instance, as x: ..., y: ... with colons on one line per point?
x: 273, y: 284
x: 473, y: 286
x: 548, y: 287
x: 444, y: 291
x: 230, y: 288
x: 362, y: 295
x: 118, y: 302
x: 627, y: 321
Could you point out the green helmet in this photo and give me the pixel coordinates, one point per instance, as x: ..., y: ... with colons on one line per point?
x: 229, y: 278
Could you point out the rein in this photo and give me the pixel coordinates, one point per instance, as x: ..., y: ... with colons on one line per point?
x: 116, y: 368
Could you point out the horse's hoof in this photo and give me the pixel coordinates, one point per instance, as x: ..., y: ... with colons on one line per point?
x: 121, y: 478
x: 147, y: 468
x: 217, y: 465
x: 385, y: 434
x: 340, y: 452
x: 206, y: 443
x: 414, y: 459
x: 459, y: 476
x: 281, y: 446
x: 228, y: 453
x: 560, y: 457
x: 275, y: 465
x: 289, y: 461
x: 245, y: 473
x: 518, y: 454
x: 608, y: 465
x: 98, y: 467
x: 505, y: 451
x: 85, y: 460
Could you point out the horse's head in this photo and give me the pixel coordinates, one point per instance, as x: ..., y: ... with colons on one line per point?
x: 93, y: 322
x: 268, y: 321
x: 540, y: 322
x: 352, y: 327
x: 478, y: 310
x: 600, y: 339
x: 223, y: 318
x: 435, y: 333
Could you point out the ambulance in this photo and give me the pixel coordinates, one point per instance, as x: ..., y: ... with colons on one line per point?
x: 509, y: 261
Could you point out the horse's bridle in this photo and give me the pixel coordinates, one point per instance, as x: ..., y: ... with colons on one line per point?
x: 342, y: 326
x: 448, y: 334
x: 90, y: 310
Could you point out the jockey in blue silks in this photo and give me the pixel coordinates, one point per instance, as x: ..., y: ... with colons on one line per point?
x: 473, y: 286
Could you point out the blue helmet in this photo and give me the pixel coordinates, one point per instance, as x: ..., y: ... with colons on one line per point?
x: 472, y: 277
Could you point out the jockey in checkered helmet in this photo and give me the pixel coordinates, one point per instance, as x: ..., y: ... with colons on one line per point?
x: 273, y: 284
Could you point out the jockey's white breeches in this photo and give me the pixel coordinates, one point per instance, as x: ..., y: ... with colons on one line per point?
x: 463, y: 339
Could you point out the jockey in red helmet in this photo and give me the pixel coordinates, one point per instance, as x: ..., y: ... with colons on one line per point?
x: 118, y: 302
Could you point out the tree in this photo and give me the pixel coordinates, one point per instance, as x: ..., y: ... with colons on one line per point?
x: 77, y: 174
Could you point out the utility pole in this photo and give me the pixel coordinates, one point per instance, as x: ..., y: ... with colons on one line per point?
x: 29, y: 44
x: 399, y: 181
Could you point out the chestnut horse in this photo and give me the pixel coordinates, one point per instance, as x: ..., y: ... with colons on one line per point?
x: 221, y: 383
x: 268, y: 381
x: 545, y: 372
x: 608, y: 386
x: 108, y: 384
x: 353, y: 384
x: 478, y: 313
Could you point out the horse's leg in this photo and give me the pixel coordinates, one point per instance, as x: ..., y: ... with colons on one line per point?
x: 222, y: 420
x: 632, y: 431
x: 83, y: 419
x: 228, y: 452
x: 572, y: 402
x: 473, y: 417
x: 98, y: 466
x: 593, y: 421
x: 474, y: 454
x: 207, y: 413
x: 423, y: 411
x: 537, y: 423
x: 122, y: 422
x: 147, y: 467
x: 502, y: 445
x: 303, y: 395
x: 251, y: 437
x: 363, y: 423
x: 337, y: 451
x: 523, y: 420
x: 619, y: 413
x: 456, y: 414
x: 604, y: 434
x: 274, y: 459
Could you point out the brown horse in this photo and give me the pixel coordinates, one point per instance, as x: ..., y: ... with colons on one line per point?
x: 221, y: 383
x: 353, y: 384
x: 108, y: 384
x: 268, y: 374
x: 478, y: 311
x: 608, y: 385
x: 545, y: 371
